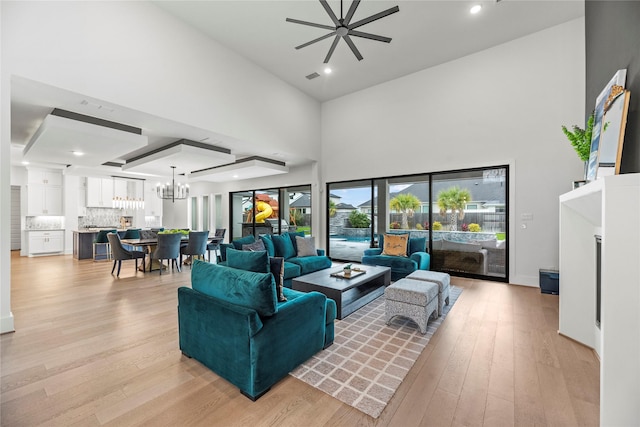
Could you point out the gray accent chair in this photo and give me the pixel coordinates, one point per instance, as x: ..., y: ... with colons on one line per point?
x: 197, y: 245
x: 119, y: 253
x: 215, y: 245
x: 168, y: 248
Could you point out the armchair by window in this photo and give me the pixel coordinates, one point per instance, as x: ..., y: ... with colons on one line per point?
x: 403, y: 261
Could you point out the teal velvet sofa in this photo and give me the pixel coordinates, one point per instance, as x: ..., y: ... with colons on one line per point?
x: 417, y: 258
x: 285, y: 246
x: 231, y: 321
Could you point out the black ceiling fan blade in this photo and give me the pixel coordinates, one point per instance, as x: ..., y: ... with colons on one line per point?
x: 370, y: 36
x: 351, y: 11
x: 353, y: 47
x: 332, y: 15
x: 311, y: 24
x: 374, y: 17
x: 331, y: 49
x: 326, y: 36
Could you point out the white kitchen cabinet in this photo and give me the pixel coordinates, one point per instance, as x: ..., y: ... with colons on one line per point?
x: 44, y: 176
x: 44, y: 192
x: 44, y: 200
x: 46, y: 242
x: 99, y: 192
x: 120, y: 189
x: 82, y: 197
x: 152, y: 203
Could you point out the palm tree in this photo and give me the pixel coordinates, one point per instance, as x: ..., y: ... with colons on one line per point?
x: 453, y: 199
x: 405, y: 203
x: 332, y: 208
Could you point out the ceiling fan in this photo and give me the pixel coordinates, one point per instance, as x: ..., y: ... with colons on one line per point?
x: 343, y: 28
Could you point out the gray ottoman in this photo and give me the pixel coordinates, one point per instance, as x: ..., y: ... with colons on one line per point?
x: 415, y: 299
x: 442, y: 279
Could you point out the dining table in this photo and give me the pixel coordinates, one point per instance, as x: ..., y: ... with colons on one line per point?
x: 148, y: 246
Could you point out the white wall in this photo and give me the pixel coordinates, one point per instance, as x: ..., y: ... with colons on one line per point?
x: 135, y: 55
x: 296, y: 176
x: 502, y: 105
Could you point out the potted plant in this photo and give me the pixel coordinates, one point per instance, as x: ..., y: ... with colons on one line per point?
x: 580, y: 139
x: 347, y: 270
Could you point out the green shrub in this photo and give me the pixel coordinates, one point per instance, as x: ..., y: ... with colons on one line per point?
x: 419, y: 226
x: 394, y: 225
x: 359, y: 220
x: 474, y: 228
x: 437, y: 225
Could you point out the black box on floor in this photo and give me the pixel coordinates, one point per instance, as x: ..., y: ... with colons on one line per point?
x: 549, y: 282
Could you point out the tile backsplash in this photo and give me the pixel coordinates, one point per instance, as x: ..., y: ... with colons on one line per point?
x: 101, y: 217
x: 44, y: 223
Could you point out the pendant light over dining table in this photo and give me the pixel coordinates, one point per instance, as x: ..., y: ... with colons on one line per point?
x: 174, y: 191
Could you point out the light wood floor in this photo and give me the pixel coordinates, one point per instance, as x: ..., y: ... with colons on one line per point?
x: 90, y: 349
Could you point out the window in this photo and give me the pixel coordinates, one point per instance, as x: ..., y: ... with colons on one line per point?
x: 350, y: 222
x: 463, y: 214
x: 205, y: 213
x: 270, y: 211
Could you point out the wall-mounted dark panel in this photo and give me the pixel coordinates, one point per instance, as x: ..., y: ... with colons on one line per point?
x: 613, y: 43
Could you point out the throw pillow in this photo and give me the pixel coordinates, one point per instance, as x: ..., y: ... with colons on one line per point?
x: 277, y: 269
x: 247, y: 260
x: 306, y: 246
x: 256, y: 291
x: 395, y: 244
x: 258, y: 245
x: 292, y: 235
x: 284, y: 246
x: 246, y: 240
x: 268, y: 244
x: 417, y: 244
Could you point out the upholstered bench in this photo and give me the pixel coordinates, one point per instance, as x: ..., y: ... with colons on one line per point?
x: 442, y: 279
x: 415, y: 299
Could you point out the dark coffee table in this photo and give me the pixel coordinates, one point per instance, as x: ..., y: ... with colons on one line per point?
x: 349, y: 294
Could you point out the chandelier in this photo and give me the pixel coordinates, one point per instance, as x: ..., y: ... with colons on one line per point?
x: 174, y: 191
x: 127, y: 203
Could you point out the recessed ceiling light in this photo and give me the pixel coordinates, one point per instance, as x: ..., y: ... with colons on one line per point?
x: 77, y: 153
x: 25, y: 163
x: 475, y: 9
x: 328, y: 70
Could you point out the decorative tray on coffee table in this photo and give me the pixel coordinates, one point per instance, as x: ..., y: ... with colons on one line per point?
x: 354, y: 273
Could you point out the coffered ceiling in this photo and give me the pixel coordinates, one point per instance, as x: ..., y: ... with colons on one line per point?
x: 423, y: 33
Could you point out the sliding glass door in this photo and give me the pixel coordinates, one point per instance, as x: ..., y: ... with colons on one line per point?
x: 462, y: 213
x: 469, y: 228
x: 270, y: 211
x: 351, y: 219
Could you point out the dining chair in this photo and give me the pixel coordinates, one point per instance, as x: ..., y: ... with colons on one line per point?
x: 168, y: 248
x: 197, y: 245
x: 131, y: 233
x: 119, y: 253
x: 215, y: 245
x: 102, y: 241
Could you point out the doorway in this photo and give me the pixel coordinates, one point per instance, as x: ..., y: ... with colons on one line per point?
x: 16, y: 234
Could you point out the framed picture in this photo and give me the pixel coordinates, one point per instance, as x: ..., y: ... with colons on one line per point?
x: 614, y: 123
x: 618, y: 80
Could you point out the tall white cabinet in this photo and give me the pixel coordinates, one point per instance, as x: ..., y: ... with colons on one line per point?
x: 100, y: 192
x: 44, y: 192
x: 610, y: 208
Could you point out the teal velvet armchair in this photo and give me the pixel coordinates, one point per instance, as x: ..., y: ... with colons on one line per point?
x: 417, y: 259
x: 232, y: 322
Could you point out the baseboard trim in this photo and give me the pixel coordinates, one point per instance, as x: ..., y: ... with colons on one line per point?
x: 7, y: 325
x: 578, y: 342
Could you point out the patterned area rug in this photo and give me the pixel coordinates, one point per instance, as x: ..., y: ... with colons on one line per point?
x: 369, y: 359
